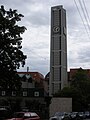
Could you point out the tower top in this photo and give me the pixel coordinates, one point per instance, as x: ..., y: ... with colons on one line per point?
x: 57, y: 7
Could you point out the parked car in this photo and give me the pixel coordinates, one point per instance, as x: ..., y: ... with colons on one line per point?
x: 54, y: 118
x: 87, y: 114
x: 60, y: 116
x: 73, y: 115
x: 81, y: 114
x: 25, y: 116
x: 4, y: 112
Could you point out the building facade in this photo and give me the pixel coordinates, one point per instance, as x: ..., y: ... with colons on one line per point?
x: 31, y: 86
x: 58, y: 50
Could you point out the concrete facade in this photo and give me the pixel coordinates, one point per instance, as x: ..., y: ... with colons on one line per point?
x: 60, y: 105
x: 58, y: 50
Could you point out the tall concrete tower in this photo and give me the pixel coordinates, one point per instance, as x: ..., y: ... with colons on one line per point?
x: 58, y: 50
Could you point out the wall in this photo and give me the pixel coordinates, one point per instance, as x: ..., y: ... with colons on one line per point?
x: 60, y: 105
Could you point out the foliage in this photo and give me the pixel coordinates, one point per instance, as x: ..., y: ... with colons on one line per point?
x: 80, y: 80
x: 79, y: 90
x: 11, y: 56
x: 14, y: 104
x: 68, y: 92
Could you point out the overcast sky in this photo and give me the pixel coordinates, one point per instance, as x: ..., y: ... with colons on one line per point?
x: 36, y: 39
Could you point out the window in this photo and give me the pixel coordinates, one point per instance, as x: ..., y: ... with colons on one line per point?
x: 36, y: 94
x: 3, y: 93
x: 13, y: 93
x: 24, y: 93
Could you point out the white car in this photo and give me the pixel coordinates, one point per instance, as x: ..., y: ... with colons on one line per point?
x: 59, y: 116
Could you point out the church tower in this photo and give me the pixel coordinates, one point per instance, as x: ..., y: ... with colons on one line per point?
x: 58, y: 50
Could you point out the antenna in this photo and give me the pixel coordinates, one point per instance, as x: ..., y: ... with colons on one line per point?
x: 27, y: 69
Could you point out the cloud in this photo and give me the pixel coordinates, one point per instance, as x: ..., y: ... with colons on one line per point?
x: 36, y: 39
x: 84, y: 54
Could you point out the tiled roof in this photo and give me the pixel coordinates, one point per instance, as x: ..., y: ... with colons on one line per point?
x: 73, y: 72
x: 35, y: 75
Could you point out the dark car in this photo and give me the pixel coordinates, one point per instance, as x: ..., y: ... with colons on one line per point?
x: 4, y: 112
x: 87, y: 114
x: 73, y: 115
x: 81, y: 114
x: 25, y: 116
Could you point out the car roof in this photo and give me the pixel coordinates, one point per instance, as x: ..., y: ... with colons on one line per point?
x: 27, y: 113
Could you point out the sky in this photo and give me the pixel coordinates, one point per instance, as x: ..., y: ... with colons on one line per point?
x: 36, y: 39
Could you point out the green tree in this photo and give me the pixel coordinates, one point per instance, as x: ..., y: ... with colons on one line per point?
x: 71, y: 92
x: 68, y: 92
x: 79, y: 91
x: 11, y: 56
x: 81, y: 82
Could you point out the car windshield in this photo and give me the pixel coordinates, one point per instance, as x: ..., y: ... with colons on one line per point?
x: 33, y: 114
x: 59, y: 113
x: 27, y: 115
